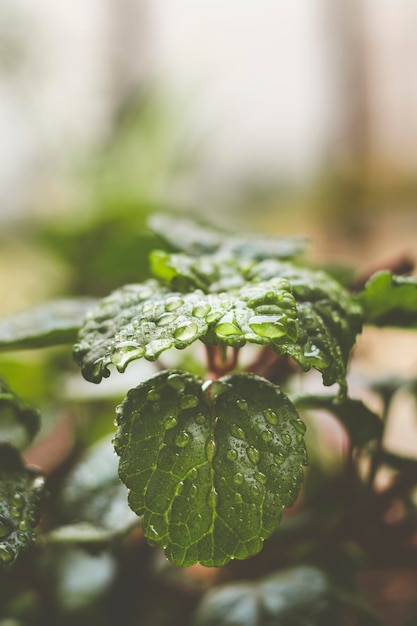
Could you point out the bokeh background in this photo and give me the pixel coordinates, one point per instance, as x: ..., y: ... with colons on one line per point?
x: 286, y: 117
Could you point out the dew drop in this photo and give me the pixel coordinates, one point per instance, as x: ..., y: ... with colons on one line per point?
x: 187, y: 332
x: 211, y: 447
x: 201, y: 310
x: 269, y: 326
x: 166, y: 319
x: 153, y: 395
x: 267, y: 436
x: 286, y: 439
x: 183, y: 439
x: 5, y: 528
x: 231, y: 455
x: 200, y: 419
x: 213, y: 317
x: 271, y: 417
x: 238, y: 498
x: 279, y: 458
x: 170, y: 422
x: 238, y: 478
x: 261, y: 478
x: 237, y: 432
x: 193, y: 473
x: 226, y: 329
x: 126, y: 351
x: 242, y: 404
x: 176, y: 381
x: 212, y: 497
x: 18, y: 500
x: 173, y: 304
x: 193, y: 491
x: 188, y: 401
x: 6, y: 554
x: 23, y: 526
x: 299, y: 425
x: 253, y: 454
x: 14, y: 512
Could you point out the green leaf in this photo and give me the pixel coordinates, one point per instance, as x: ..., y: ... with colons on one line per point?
x: 390, y: 300
x: 296, y: 596
x: 20, y: 494
x: 46, y: 325
x: 93, y: 500
x: 210, y: 466
x: 187, y: 236
x: 361, y: 423
x: 144, y: 320
x: 19, y: 423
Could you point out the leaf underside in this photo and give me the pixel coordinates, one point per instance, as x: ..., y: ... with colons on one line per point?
x: 20, y: 494
x: 228, y: 300
x: 210, y: 466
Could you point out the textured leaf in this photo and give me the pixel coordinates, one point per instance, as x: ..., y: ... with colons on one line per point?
x: 390, y: 300
x: 186, y: 235
x: 94, y: 501
x: 361, y: 423
x: 19, y: 423
x: 144, y: 320
x: 49, y: 324
x: 290, y: 598
x: 20, y: 493
x: 210, y: 466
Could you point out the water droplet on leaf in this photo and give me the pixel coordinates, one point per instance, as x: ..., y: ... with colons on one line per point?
x: 237, y: 432
x: 271, y: 417
x: 183, y: 439
x: 299, y: 425
x: 286, y: 439
x: 201, y: 310
x: 6, y: 554
x: 5, y: 528
x: 269, y: 326
x: 253, y: 454
x: 187, y: 332
x: 200, y: 419
x: 170, y: 422
x: 238, y: 478
x: 267, y: 436
x: 231, y: 455
x: 242, y: 404
x: 176, y: 382
x: 173, y: 304
x: 188, y: 401
x: 211, y: 447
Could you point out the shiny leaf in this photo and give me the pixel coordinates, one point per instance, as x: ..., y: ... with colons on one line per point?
x: 210, y: 466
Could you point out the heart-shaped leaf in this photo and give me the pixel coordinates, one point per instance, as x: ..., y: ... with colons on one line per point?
x: 20, y: 493
x: 210, y: 466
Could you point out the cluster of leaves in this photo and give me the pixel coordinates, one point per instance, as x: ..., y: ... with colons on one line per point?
x: 208, y: 462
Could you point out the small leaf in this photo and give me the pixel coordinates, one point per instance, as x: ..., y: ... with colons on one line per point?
x: 187, y: 236
x: 49, y: 324
x: 210, y: 466
x: 20, y: 493
x: 19, y: 423
x: 361, y: 423
x: 390, y: 300
x: 94, y: 498
x: 300, y: 595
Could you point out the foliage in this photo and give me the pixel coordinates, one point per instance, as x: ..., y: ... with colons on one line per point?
x: 211, y: 448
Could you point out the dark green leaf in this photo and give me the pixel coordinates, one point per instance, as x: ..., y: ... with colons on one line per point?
x: 187, y: 236
x: 19, y: 423
x: 210, y: 466
x: 290, y: 598
x: 144, y: 320
x: 390, y: 300
x: 361, y: 423
x: 20, y: 493
x: 94, y: 501
x: 49, y: 324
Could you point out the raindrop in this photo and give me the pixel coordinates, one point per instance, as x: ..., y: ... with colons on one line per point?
x: 176, y: 381
x: 237, y: 431
x: 14, y: 512
x: 212, y: 497
x: 242, y: 404
x: 188, y: 401
x: 299, y: 425
x: 267, y: 436
x: 279, y: 458
x: 187, y: 332
x: 238, y: 478
x: 225, y: 329
x: 5, y: 528
x: 183, y: 439
x: 18, y: 500
x: 200, y: 419
x: 193, y: 473
x: 23, y: 526
x: 238, y: 498
x: 153, y: 394
x: 286, y: 439
x: 213, y: 317
x: 253, y: 454
x: 211, y: 447
x: 231, y: 455
x: 193, y: 491
x: 6, y: 554
x: 260, y: 477
x: 269, y: 326
x: 271, y: 417
x: 201, y: 310
x: 173, y: 304
x: 170, y: 422
x: 126, y: 351
x: 166, y: 319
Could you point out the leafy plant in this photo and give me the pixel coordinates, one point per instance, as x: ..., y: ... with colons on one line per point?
x: 212, y: 446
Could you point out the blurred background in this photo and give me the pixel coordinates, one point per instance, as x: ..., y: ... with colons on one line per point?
x: 285, y: 117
